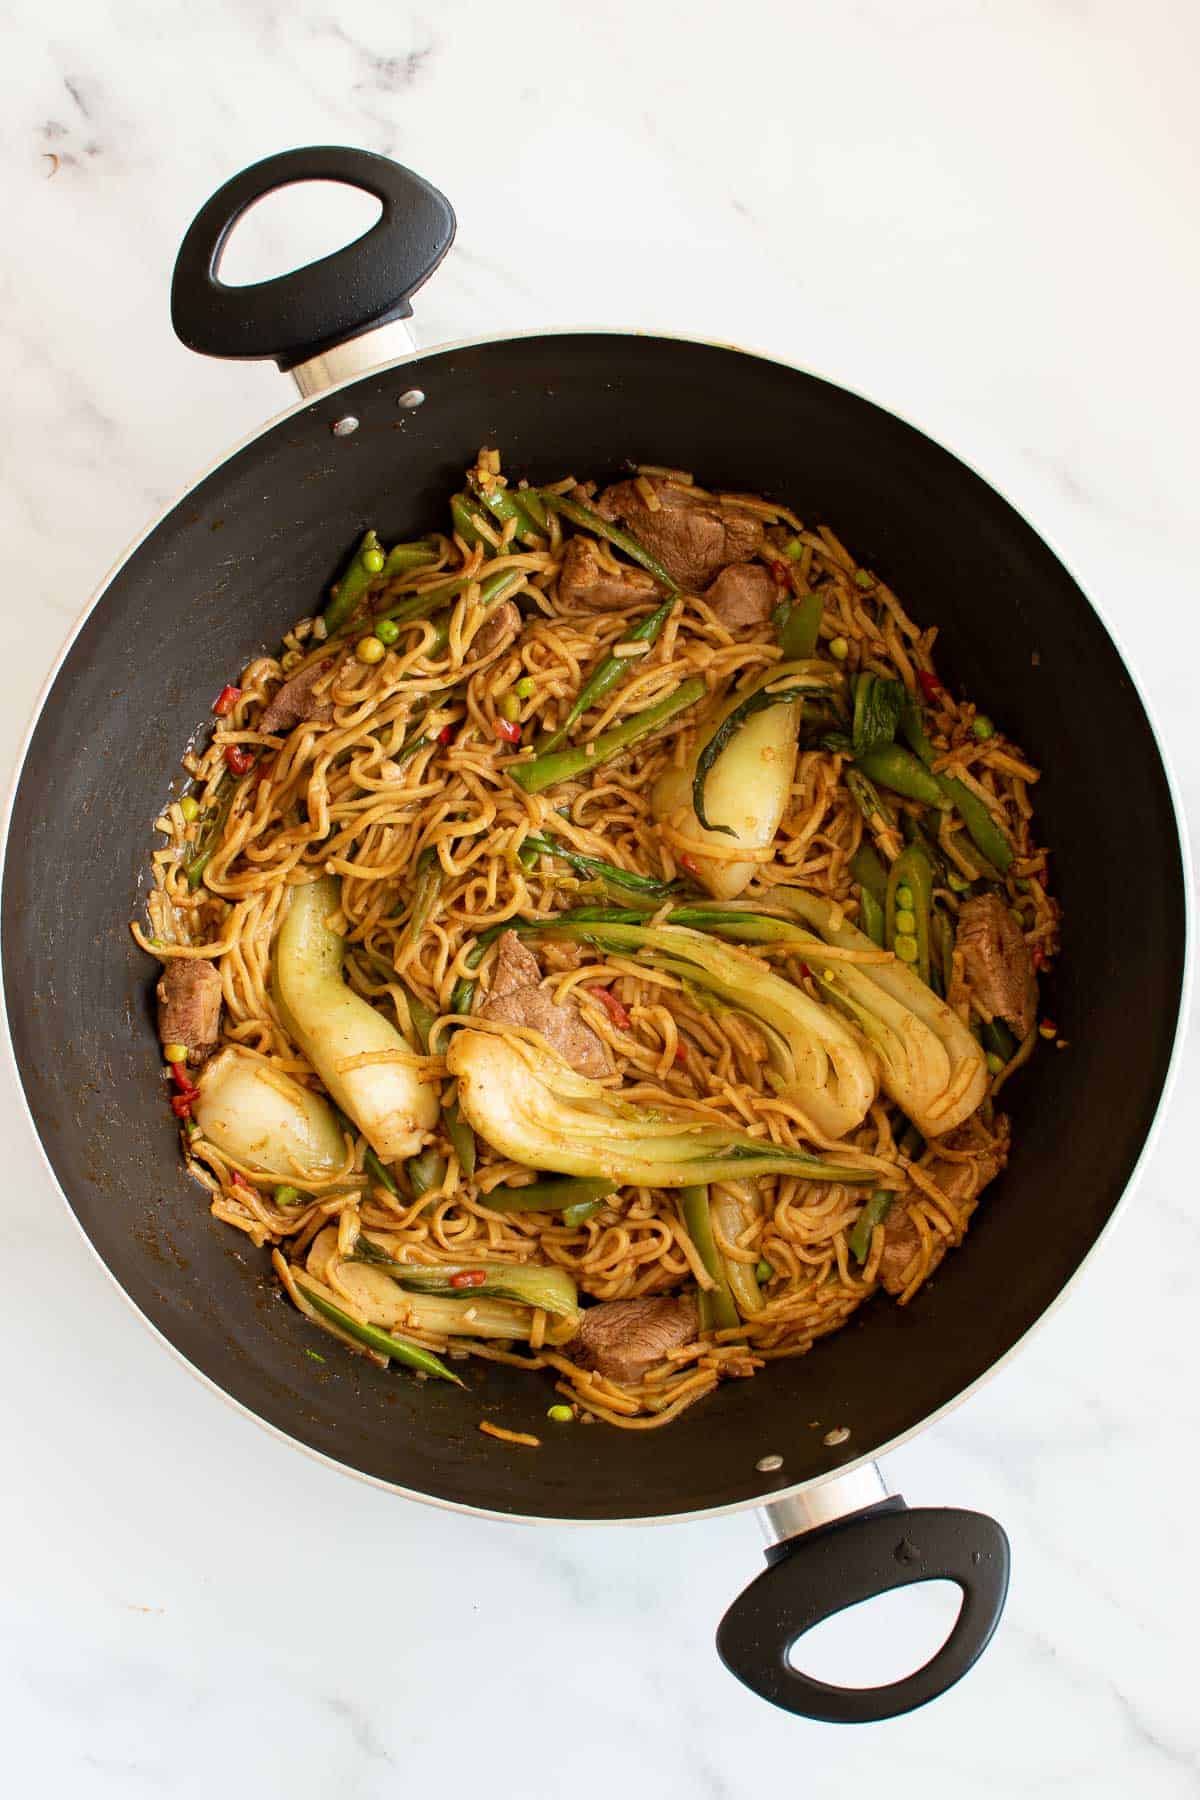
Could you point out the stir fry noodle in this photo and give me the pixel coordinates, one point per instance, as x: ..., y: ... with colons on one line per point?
x: 597, y: 942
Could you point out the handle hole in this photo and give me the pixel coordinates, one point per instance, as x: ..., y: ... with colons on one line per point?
x: 880, y: 1640
x: 295, y: 226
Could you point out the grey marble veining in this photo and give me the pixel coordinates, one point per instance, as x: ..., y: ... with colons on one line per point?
x: 985, y: 218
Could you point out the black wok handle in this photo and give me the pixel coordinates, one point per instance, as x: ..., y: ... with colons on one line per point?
x: 297, y: 316
x: 811, y: 1577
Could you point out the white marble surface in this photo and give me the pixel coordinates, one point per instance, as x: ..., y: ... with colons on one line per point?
x: 983, y: 215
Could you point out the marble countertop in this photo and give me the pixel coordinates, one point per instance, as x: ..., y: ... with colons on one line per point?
x: 985, y: 218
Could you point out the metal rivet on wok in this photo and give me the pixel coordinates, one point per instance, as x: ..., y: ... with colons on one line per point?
x: 833, y: 1438
x: 411, y: 398
x: 767, y: 1465
x: 343, y: 427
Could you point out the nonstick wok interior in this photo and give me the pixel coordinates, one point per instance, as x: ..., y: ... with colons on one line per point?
x: 249, y: 550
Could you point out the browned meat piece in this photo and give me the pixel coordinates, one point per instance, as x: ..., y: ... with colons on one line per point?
x: 294, y: 701
x: 502, y: 622
x: 743, y: 594
x: 189, y: 1006
x: 582, y: 581
x: 517, y: 997
x: 693, y: 539
x: 624, y: 1338
x: 996, y: 962
x: 962, y: 1182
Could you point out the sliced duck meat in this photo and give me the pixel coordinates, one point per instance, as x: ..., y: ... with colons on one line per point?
x: 501, y: 624
x: 294, y: 701
x: 584, y: 581
x: 693, y: 539
x: 189, y: 1006
x: 961, y: 1182
x: 622, y: 1339
x: 996, y: 962
x: 744, y: 594
x: 518, y: 997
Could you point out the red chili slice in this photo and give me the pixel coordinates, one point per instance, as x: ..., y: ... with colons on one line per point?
x: 446, y: 734
x: 181, y: 1105
x: 468, y: 1278
x: 183, y: 1081
x: 611, y: 1005
x: 690, y: 864
x: 931, y: 687
x: 681, y: 1056
x: 238, y: 759
x: 782, y: 574
x: 509, y: 730
x: 226, y: 700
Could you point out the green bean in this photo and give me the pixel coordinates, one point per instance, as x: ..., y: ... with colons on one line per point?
x: 548, y: 1196
x: 911, y: 870
x: 800, y: 629
x: 609, y: 672
x: 561, y: 765
x: 352, y: 587
x: 466, y: 523
x: 896, y: 768
x: 587, y: 520
x: 493, y: 587
x: 982, y: 829
x: 694, y: 1204
x: 505, y: 504
x: 873, y: 1213
x: 382, y: 1342
x: 593, y: 865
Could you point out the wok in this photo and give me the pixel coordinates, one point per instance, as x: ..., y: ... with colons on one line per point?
x: 380, y: 436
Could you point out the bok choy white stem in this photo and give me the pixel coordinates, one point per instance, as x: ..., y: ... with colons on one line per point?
x: 261, y: 1117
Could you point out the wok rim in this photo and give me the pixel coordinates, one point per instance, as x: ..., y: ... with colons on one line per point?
x: 770, y: 1495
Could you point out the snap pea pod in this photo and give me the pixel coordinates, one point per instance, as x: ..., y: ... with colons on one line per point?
x: 694, y: 1205
x: 594, y: 865
x: 872, y: 917
x: 941, y: 952
x: 582, y: 1209
x: 561, y: 765
x: 910, y: 871
x: 548, y: 1196
x: 505, y: 504
x: 866, y: 866
x: 587, y: 520
x: 873, y: 1213
x: 982, y: 829
x: 426, y: 1170
x: 382, y: 1342
x: 460, y: 1134
x: 891, y: 766
x: 401, y: 559
x: 352, y: 587
x: 800, y: 627
x: 608, y: 673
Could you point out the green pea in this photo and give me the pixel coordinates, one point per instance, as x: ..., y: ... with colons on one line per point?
x: 189, y: 806
x: 509, y: 707
x: 995, y: 1063
x: 387, y: 631
x: 524, y: 687
x: 288, y: 1196
x: 562, y: 1415
x: 904, y: 899
x: 983, y: 727
x: 958, y: 883
x: 906, y: 921
x: 373, y: 561
x: 839, y: 648
x: 906, y: 947
x: 763, y: 1271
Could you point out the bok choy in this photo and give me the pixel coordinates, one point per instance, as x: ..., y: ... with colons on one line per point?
x: 259, y: 1116
x: 361, y: 1058
x: 530, y: 1284
x: 532, y: 1108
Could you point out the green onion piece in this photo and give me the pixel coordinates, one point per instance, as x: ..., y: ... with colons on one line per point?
x: 352, y: 587
x: 548, y: 1196
x: 587, y: 520
x: 529, y: 1284
x: 697, y: 1217
x: 593, y: 865
x: 382, y: 1174
x: 210, y: 831
x: 873, y: 1213
x: 760, y: 701
x: 287, y: 1196
x: 608, y: 673
x: 382, y: 1342
x: 561, y: 765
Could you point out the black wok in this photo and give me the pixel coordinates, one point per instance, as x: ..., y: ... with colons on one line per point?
x: 249, y: 548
